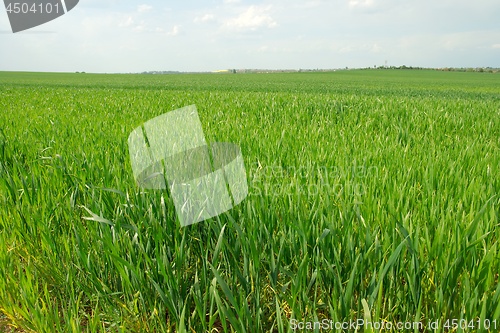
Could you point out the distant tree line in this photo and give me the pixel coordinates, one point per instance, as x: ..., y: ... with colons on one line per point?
x: 302, y: 70
x: 471, y: 69
x: 445, y: 69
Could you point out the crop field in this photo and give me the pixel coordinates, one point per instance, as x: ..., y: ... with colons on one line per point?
x: 373, y: 206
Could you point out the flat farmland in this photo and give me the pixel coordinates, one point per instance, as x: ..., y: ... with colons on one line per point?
x: 374, y: 202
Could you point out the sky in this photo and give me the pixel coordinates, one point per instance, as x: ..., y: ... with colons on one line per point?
x: 125, y: 36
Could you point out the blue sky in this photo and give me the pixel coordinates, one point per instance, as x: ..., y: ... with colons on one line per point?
x: 135, y: 36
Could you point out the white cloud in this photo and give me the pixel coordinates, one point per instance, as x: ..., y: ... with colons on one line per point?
x: 496, y: 46
x: 144, y: 8
x: 232, y: 1
x: 175, y: 30
x: 205, y: 18
x: 376, y: 48
x: 251, y: 19
x: 361, y: 47
x: 141, y: 27
x: 310, y: 4
x: 126, y: 22
x: 361, y: 3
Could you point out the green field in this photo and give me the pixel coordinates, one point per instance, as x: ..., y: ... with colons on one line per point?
x: 373, y: 194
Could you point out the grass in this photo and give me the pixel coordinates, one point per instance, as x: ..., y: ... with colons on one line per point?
x: 373, y: 194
